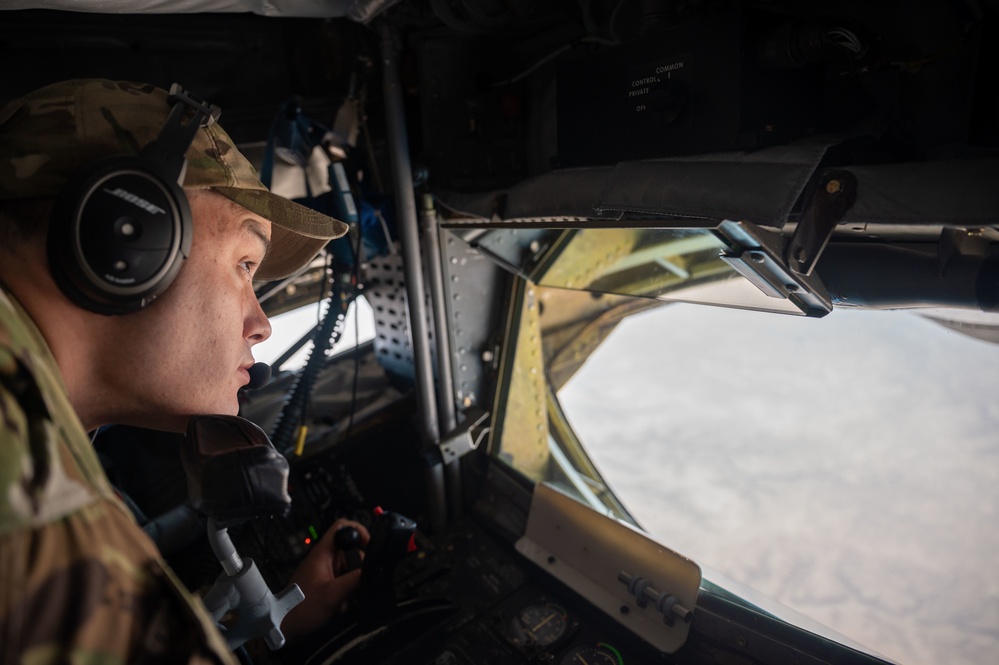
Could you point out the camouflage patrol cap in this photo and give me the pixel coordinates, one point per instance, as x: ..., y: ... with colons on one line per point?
x: 49, y: 134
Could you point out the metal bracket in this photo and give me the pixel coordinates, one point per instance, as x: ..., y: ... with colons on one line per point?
x: 835, y: 194
x: 467, y: 437
x: 582, y: 549
x: 758, y: 255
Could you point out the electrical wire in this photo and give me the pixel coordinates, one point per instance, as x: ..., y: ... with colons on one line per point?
x: 357, y: 335
x: 551, y: 56
x: 385, y: 229
x: 612, y: 20
x: 326, y: 291
x: 548, y: 58
x: 292, y: 415
x: 370, y: 147
x: 845, y: 39
x: 471, y: 215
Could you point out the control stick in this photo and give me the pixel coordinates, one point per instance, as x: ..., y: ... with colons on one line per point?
x: 347, y: 539
x: 393, y: 536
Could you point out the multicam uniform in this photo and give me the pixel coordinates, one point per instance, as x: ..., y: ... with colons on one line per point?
x: 79, y: 581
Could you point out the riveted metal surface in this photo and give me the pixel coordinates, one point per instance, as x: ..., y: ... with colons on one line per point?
x: 385, y: 290
x: 471, y: 282
x: 518, y: 248
x: 584, y: 257
x: 522, y: 434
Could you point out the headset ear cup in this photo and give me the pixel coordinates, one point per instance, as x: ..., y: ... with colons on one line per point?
x: 118, y: 236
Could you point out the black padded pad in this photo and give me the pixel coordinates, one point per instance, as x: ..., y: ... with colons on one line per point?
x: 233, y: 471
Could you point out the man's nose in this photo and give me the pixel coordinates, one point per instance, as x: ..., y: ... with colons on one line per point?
x: 257, y: 327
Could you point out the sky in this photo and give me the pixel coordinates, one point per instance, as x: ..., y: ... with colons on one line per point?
x: 846, y: 467
x: 287, y: 328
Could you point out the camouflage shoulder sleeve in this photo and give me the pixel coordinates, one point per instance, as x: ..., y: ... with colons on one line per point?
x: 79, y: 581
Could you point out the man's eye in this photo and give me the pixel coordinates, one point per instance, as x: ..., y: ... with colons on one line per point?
x: 248, y: 267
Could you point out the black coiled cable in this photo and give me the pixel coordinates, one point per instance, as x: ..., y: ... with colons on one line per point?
x: 327, y: 334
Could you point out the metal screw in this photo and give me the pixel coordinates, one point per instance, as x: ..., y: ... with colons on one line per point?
x: 487, y: 356
x: 802, y: 255
x: 834, y: 186
x: 741, y: 641
x: 758, y: 257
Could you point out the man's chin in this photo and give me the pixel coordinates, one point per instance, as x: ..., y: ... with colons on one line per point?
x: 227, y: 409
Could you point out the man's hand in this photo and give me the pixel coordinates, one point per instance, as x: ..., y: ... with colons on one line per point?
x: 324, y: 579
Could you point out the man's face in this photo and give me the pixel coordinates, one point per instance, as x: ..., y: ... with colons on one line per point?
x: 188, y: 353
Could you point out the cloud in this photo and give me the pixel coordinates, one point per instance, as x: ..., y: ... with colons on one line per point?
x: 847, y: 466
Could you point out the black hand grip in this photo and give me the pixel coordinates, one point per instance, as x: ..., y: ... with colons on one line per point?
x: 347, y: 539
x: 392, y: 536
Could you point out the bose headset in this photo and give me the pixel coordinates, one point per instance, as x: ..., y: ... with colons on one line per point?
x: 121, y: 227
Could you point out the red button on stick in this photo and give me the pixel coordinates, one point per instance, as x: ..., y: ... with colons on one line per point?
x: 411, y: 545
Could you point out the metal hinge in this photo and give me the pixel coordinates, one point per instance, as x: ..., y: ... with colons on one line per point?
x: 467, y: 437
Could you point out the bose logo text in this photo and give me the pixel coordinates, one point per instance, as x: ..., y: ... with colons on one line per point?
x: 135, y: 200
